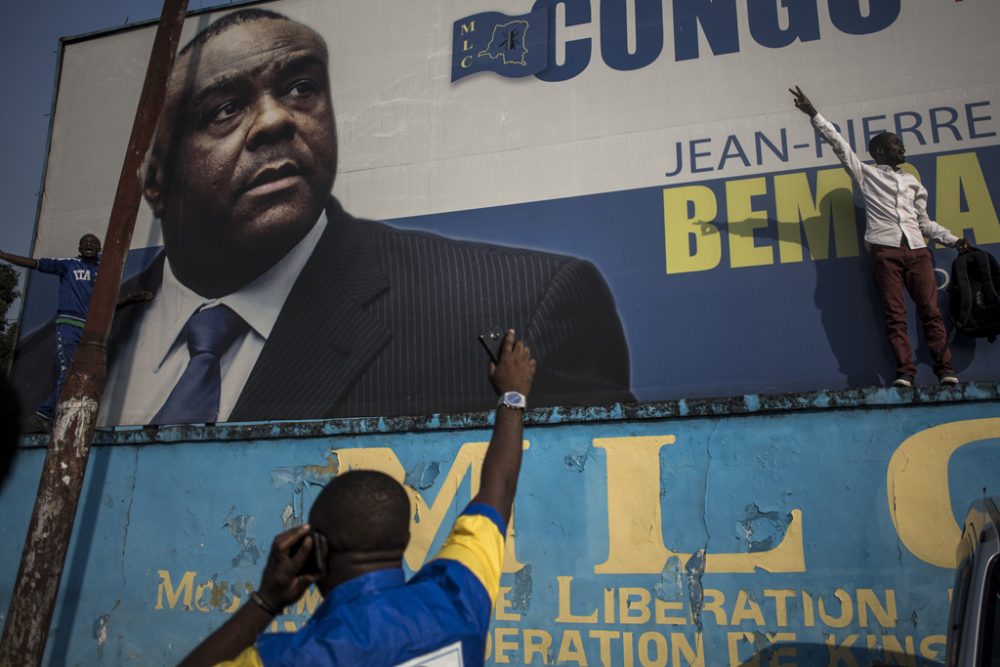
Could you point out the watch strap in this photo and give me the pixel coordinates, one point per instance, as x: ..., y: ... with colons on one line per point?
x: 259, y: 600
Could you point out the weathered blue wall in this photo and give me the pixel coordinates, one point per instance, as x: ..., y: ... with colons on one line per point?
x: 801, y: 529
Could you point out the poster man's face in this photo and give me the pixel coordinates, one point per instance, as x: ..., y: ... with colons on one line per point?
x: 254, y: 155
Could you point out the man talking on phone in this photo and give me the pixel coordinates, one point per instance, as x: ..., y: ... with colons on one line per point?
x: 352, y: 549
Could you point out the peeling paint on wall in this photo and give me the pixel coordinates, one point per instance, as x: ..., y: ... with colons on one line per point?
x: 520, y: 594
x: 575, y: 462
x: 299, y: 476
x: 671, y: 585
x: 288, y: 518
x: 243, y: 528
x: 100, y: 632
x: 298, y: 479
x: 695, y: 570
x: 423, y: 475
x: 764, y: 530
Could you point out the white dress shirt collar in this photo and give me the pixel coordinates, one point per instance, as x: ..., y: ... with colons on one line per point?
x: 176, y: 303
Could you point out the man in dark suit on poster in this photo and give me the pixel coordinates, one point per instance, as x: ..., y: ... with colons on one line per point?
x: 272, y: 302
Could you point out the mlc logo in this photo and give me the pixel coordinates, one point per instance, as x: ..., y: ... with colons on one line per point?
x: 513, y: 46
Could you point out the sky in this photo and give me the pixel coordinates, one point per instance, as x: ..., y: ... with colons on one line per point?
x: 29, y: 49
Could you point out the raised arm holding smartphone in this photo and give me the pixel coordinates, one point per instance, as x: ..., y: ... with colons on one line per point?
x: 352, y: 549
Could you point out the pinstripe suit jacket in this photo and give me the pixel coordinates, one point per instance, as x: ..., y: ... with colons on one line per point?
x: 384, y: 321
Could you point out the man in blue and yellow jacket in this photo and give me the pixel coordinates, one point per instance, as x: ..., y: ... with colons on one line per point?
x: 358, y: 529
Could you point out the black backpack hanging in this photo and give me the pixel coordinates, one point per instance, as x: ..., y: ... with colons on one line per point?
x: 974, y: 293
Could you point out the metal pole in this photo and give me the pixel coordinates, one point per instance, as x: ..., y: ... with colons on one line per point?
x: 44, y: 555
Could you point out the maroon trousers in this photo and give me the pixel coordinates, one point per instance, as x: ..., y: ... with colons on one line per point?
x: 894, y: 269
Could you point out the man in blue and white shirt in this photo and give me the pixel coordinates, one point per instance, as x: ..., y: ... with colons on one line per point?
x: 76, y: 284
x: 897, y: 222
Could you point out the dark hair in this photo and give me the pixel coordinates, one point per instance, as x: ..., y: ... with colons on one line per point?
x: 228, y: 21
x: 363, y: 510
x: 880, y: 140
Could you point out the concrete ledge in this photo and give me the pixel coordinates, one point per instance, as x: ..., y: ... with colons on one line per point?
x: 844, y: 399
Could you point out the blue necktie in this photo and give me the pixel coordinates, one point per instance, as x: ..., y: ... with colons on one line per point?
x: 195, y: 397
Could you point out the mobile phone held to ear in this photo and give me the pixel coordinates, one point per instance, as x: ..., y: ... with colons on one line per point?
x: 316, y: 562
x: 492, y: 340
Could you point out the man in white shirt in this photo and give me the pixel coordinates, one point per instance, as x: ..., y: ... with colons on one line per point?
x: 897, y: 222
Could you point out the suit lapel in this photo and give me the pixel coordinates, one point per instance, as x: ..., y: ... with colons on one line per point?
x: 126, y: 319
x: 324, y: 337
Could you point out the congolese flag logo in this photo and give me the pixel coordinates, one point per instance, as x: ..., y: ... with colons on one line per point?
x: 511, y: 46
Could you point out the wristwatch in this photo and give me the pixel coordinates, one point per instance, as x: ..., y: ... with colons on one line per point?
x: 513, y: 399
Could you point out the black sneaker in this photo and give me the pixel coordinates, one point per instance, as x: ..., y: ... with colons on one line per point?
x: 948, y: 380
x: 905, y: 381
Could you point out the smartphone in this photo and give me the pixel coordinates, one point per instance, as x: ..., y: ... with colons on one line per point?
x: 492, y: 340
x: 316, y: 562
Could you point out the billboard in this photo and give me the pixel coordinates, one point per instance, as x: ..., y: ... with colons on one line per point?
x: 627, y: 184
x: 818, y: 536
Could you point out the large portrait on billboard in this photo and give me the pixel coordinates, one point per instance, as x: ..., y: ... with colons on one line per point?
x: 273, y: 302
x: 342, y: 198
